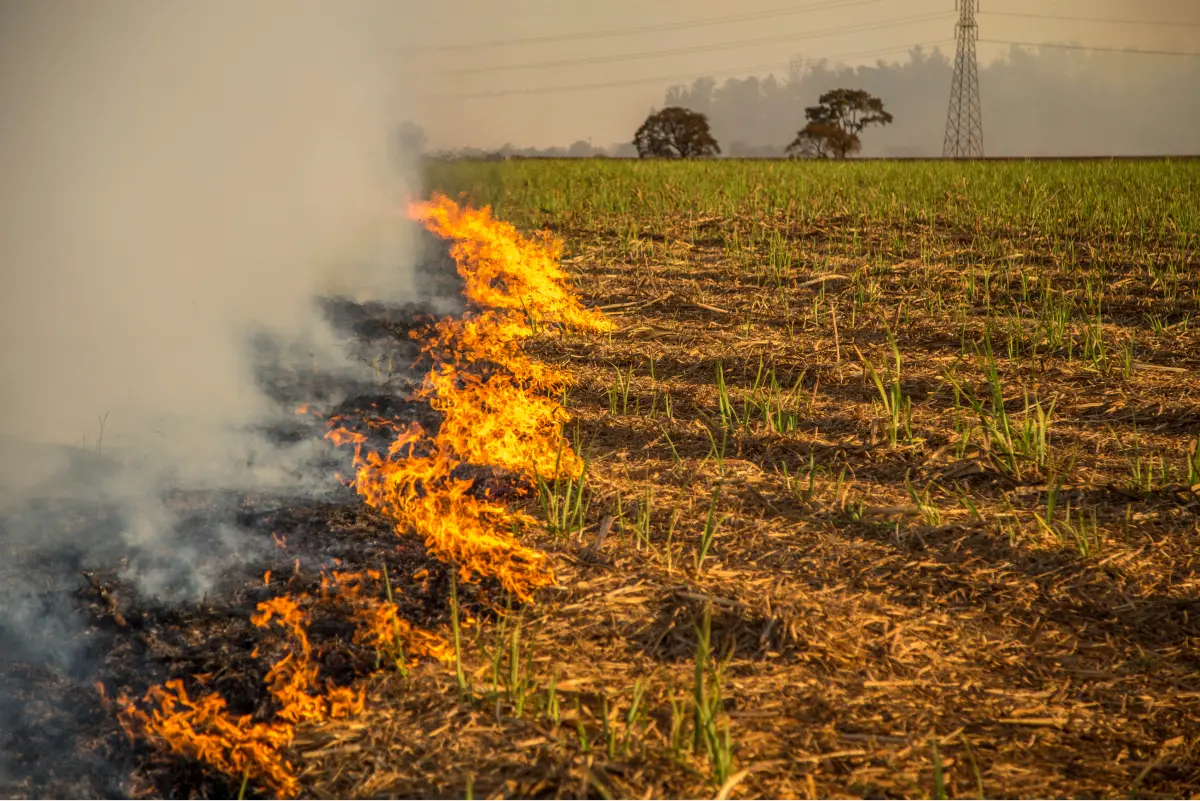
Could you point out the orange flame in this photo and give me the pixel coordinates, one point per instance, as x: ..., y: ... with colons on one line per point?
x: 203, y: 730
x: 380, y: 626
x: 305, y: 408
x: 499, y: 422
x: 420, y: 493
x: 512, y: 285
x: 504, y: 270
x: 292, y: 678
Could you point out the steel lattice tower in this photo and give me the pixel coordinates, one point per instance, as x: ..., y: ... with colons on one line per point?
x: 964, y: 122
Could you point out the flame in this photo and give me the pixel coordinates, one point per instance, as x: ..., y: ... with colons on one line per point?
x: 512, y: 285
x: 414, y: 485
x: 504, y: 270
x: 493, y: 398
x: 380, y: 626
x: 292, y: 679
x: 500, y: 422
x: 202, y: 729
x: 305, y: 408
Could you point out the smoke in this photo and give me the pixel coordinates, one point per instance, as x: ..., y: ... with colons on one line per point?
x: 176, y: 174
x: 182, y: 183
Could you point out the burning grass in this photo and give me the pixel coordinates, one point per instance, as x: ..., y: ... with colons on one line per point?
x: 917, y: 437
x: 202, y: 729
x: 496, y: 419
x: 886, y: 483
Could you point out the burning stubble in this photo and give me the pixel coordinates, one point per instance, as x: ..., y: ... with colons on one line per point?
x: 182, y: 183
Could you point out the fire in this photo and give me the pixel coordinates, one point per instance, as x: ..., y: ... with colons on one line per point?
x: 500, y: 422
x: 381, y: 628
x: 496, y: 412
x: 293, y: 678
x: 493, y: 337
x: 504, y: 270
x: 513, y: 285
x: 202, y: 729
x: 414, y: 485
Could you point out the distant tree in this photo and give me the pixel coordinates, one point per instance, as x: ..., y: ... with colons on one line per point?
x: 835, y: 123
x: 581, y: 150
x: 411, y: 139
x: 823, y: 140
x: 675, y: 133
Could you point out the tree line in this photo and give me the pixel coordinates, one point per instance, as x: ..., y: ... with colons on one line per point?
x: 833, y: 129
x: 1036, y: 103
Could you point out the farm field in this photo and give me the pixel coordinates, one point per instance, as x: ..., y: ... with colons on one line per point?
x: 891, y: 490
x: 747, y: 479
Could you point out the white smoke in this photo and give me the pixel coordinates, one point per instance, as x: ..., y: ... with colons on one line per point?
x: 178, y: 177
x: 176, y: 174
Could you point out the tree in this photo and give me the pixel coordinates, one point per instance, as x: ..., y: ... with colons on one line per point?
x: 835, y: 123
x: 823, y: 140
x: 675, y: 133
x: 581, y: 150
x: 411, y: 139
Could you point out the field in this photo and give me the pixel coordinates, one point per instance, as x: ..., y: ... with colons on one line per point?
x: 874, y: 479
x: 891, y: 490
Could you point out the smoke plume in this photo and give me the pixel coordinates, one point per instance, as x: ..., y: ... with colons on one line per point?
x: 175, y: 175
x: 182, y: 183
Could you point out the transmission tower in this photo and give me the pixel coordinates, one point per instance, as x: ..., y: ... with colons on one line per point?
x: 964, y: 122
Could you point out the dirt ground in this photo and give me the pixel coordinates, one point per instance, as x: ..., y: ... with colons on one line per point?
x: 793, y: 568
x: 932, y: 616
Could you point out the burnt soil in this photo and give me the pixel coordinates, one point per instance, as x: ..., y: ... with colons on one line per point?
x: 82, y: 632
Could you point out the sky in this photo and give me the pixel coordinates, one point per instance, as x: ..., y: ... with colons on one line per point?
x: 456, y: 51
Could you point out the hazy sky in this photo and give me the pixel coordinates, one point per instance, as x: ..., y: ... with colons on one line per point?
x: 454, y: 52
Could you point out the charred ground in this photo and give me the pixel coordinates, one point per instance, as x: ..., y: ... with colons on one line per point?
x: 80, y: 628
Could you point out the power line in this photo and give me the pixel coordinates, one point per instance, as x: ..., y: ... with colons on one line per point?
x: 695, y: 49
x: 1193, y: 54
x: 1093, y: 19
x: 665, y: 26
x: 677, y: 77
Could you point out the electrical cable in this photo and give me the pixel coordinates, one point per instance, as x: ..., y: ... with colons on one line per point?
x: 868, y: 26
x: 667, y: 78
x: 1091, y: 19
x: 687, y: 50
x: 1193, y: 54
x: 665, y: 26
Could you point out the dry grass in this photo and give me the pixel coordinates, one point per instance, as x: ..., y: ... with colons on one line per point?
x: 816, y: 584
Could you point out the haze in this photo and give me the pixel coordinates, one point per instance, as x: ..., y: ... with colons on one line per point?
x: 177, y: 173
x: 452, y: 75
